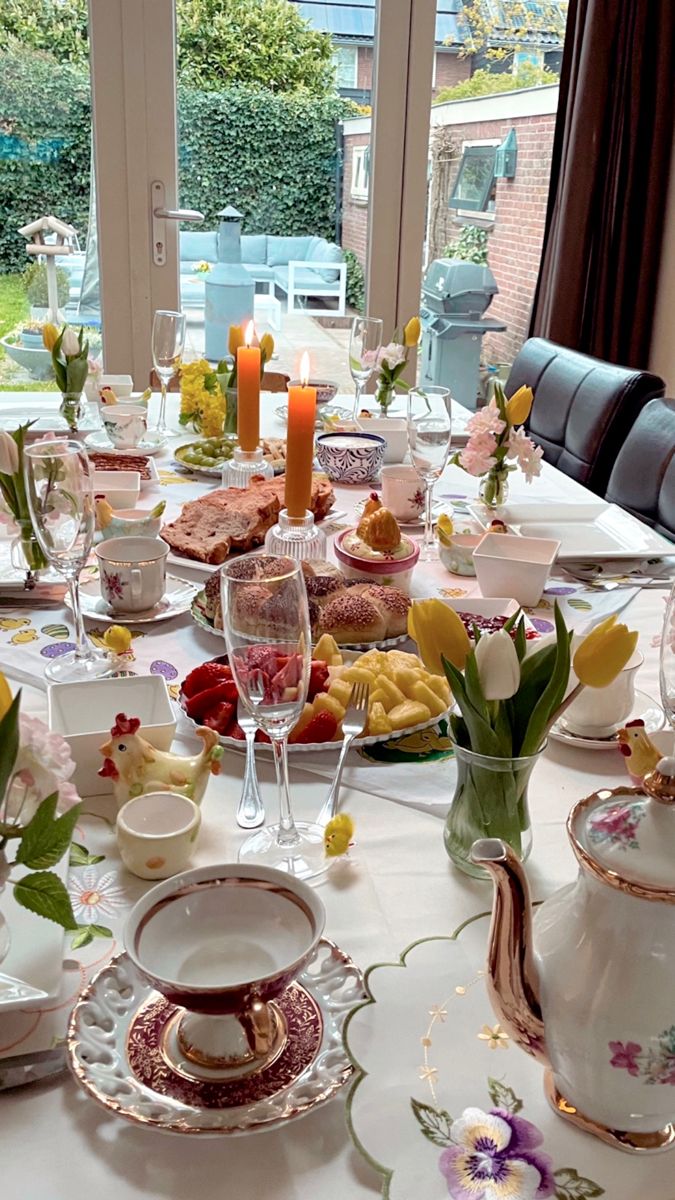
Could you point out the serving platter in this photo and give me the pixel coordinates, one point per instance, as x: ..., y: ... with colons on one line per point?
x: 593, y: 531
x: 215, y: 471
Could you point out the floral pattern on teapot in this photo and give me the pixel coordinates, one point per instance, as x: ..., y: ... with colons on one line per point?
x: 651, y: 1066
x: 617, y: 824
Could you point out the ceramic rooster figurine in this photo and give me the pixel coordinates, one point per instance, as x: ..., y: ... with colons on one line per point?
x: 640, y: 753
x: 110, y: 525
x: 136, y: 767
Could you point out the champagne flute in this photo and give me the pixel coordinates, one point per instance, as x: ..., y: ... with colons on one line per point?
x: 58, y: 479
x: 365, y: 341
x: 429, y: 435
x: 267, y: 634
x: 168, y: 340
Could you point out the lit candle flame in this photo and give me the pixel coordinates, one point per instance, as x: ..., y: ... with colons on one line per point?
x: 304, y: 369
x: 250, y: 333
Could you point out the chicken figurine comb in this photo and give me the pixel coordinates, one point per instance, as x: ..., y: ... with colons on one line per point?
x: 639, y: 752
x: 136, y: 767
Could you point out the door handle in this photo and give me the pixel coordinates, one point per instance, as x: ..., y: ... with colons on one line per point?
x: 161, y: 213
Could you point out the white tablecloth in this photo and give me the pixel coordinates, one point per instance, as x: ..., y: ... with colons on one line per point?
x: 399, y: 886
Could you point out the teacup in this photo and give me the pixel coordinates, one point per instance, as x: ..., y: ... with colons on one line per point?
x: 402, y: 492
x: 156, y: 833
x: 125, y: 424
x: 599, y: 712
x: 223, y: 942
x: 132, y: 572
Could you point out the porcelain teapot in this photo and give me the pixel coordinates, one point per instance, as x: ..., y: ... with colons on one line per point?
x: 587, y: 985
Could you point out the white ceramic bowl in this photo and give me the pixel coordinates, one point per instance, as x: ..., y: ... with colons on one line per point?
x: 120, y: 488
x: 350, y: 457
x: 507, y: 565
x: 457, y: 555
x: 394, y: 430
x: 395, y: 571
x: 83, y: 713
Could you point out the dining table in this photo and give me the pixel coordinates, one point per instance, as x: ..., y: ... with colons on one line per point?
x: 396, y: 885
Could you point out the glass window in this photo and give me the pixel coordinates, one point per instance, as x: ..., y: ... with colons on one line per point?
x: 475, y: 179
x: 346, y: 59
x: 527, y: 58
x: 360, y: 172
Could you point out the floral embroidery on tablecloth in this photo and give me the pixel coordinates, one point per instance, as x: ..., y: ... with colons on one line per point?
x: 93, y: 895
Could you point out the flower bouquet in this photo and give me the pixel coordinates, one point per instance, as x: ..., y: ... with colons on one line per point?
x: 495, y: 437
x: 509, y: 692
x: 392, y: 360
x: 70, y: 359
x: 13, y: 490
x: 208, y: 398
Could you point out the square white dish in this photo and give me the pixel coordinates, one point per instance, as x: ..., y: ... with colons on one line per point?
x: 83, y: 713
x: 120, y: 488
x: 30, y: 975
x: 594, y: 530
x: 520, y: 565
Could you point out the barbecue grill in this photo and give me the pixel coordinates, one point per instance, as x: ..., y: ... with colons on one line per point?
x: 455, y: 295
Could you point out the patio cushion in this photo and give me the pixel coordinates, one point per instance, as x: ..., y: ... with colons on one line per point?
x: 305, y: 279
x: 258, y: 270
x: 254, y: 247
x: 280, y: 250
x: 323, y: 251
x: 195, y: 247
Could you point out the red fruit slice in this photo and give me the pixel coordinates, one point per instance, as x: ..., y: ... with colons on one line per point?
x: 197, y: 706
x: 205, y: 676
x: 322, y: 728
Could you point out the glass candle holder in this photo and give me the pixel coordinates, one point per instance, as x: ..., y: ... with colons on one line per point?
x: 296, y: 537
x: 244, y: 466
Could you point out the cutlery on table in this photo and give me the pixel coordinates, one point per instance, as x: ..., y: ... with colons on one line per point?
x: 250, y: 810
x: 353, y: 723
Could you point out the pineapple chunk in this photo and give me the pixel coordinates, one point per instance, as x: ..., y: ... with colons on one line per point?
x: 405, y: 679
x: 341, y: 690
x: 378, y: 721
x: 424, y: 694
x: 440, y: 686
x: 411, y: 712
x: 393, y: 694
x: 326, y: 649
x: 324, y: 702
x: 380, y: 697
x: 372, y: 660
x: 358, y: 675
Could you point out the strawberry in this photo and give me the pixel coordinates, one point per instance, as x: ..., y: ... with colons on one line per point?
x: 237, y: 732
x: 205, y: 676
x: 220, y: 717
x: 321, y: 728
x: 318, y: 678
x: 263, y: 658
x: 197, y: 706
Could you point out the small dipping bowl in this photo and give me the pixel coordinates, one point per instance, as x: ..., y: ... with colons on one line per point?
x: 223, y: 942
x: 325, y: 390
x: 156, y: 833
x: 457, y: 554
x: 350, y: 457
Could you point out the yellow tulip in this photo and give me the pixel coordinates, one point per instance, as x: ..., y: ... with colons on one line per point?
x: 411, y: 332
x: 519, y: 405
x: 49, y: 336
x: 445, y: 529
x: 604, y: 653
x: 235, y: 339
x: 439, y: 633
x: 266, y: 347
x: 6, y: 696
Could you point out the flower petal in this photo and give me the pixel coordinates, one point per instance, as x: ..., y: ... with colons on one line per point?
x: 476, y: 1127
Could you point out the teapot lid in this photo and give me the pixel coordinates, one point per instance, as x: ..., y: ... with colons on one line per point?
x: 626, y: 836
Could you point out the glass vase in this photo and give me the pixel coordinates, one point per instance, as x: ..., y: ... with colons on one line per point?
x: 494, y: 488
x: 5, y: 936
x: 72, y: 409
x: 230, y: 422
x: 27, y: 554
x: 490, y: 801
x: 385, y: 397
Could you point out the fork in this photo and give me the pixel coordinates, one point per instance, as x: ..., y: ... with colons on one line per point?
x: 250, y: 810
x: 353, y: 723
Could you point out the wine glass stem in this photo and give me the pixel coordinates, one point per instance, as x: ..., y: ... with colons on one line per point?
x: 82, y: 648
x: 428, y: 516
x: 288, y: 834
x: 357, y: 397
x: 161, y: 422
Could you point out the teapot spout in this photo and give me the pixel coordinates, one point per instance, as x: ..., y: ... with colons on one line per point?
x: 513, y: 984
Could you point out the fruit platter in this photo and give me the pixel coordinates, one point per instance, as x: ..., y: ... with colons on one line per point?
x: 404, y: 696
x: 207, y: 455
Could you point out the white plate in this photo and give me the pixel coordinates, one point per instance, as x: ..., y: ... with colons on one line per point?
x: 595, y: 530
x: 178, y: 598
x: 322, y: 415
x: 206, y: 569
x: 31, y: 974
x: 151, y: 444
x: 645, y: 709
x: 99, y: 1047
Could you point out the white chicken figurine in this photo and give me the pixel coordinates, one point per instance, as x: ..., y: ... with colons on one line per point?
x: 136, y: 767
x: 111, y: 525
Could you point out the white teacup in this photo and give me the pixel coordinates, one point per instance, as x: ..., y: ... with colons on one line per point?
x: 125, y: 424
x: 156, y: 833
x: 599, y: 712
x: 402, y: 492
x: 132, y: 572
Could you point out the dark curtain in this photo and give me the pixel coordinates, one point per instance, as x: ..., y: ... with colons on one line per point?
x: 609, y: 179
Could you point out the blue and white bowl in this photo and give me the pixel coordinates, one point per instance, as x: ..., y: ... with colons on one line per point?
x: 350, y: 457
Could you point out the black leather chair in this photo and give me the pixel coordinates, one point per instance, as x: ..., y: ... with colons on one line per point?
x: 643, y: 479
x: 583, y: 408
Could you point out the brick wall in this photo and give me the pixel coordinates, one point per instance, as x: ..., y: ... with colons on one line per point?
x: 364, y: 71
x: 354, y: 212
x: 450, y: 69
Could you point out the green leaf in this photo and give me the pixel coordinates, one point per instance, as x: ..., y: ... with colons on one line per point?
x: 503, y: 1096
x: 44, y: 894
x: 569, y: 1185
x: 520, y: 641
x: 551, y: 697
x: 80, y: 856
x: 435, y: 1123
x: 9, y: 742
x: 86, y: 934
x: 46, y: 839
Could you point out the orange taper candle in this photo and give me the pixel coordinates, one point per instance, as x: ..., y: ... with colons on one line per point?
x: 248, y: 392
x: 300, y: 443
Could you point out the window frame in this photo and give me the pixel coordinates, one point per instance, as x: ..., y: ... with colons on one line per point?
x: 474, y: 149
x: 337, y: 49
x: 360, y: 155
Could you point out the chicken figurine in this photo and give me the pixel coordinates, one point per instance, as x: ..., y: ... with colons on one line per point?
x: 640, y: 753
x: 111, y: 525
x: 137, y: 768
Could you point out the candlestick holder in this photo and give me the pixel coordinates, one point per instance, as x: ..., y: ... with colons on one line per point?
x: 243, y: 466
x: 296, y: 537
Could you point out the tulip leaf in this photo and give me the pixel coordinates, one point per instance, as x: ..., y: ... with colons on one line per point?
x: 552, y: 695
x: 482, y: 737
x: 520, y: 641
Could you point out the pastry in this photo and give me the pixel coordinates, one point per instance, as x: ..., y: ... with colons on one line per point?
x: 352, y: 618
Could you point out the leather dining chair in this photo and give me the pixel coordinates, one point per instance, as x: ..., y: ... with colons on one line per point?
x: 583, y: 408
x: 643, y: 478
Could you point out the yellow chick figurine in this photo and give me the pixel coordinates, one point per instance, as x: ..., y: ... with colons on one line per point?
x: 110, y: 525
x: 337, y: 835
x: 117, y: 638
x: 639, y: 752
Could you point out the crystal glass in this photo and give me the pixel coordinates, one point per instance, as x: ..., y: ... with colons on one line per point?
x: 268, y: 640
x: 168, y: 340
x: 365, y: 341
x: 58, y: 479
x: 429, y: 435
x: 667, y: 660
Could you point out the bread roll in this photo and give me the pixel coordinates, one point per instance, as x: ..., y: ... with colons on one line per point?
x: 352, y: 618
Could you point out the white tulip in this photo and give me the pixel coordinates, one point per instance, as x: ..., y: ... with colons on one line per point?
x: 9, y: 455
x: 498, y: 666
x: 69, y: 343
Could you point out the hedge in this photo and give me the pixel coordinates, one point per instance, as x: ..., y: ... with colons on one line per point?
x: 274, y: 157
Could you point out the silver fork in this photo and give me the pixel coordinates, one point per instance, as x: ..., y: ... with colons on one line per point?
x: 250, y: 810
x: 353, y: 723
